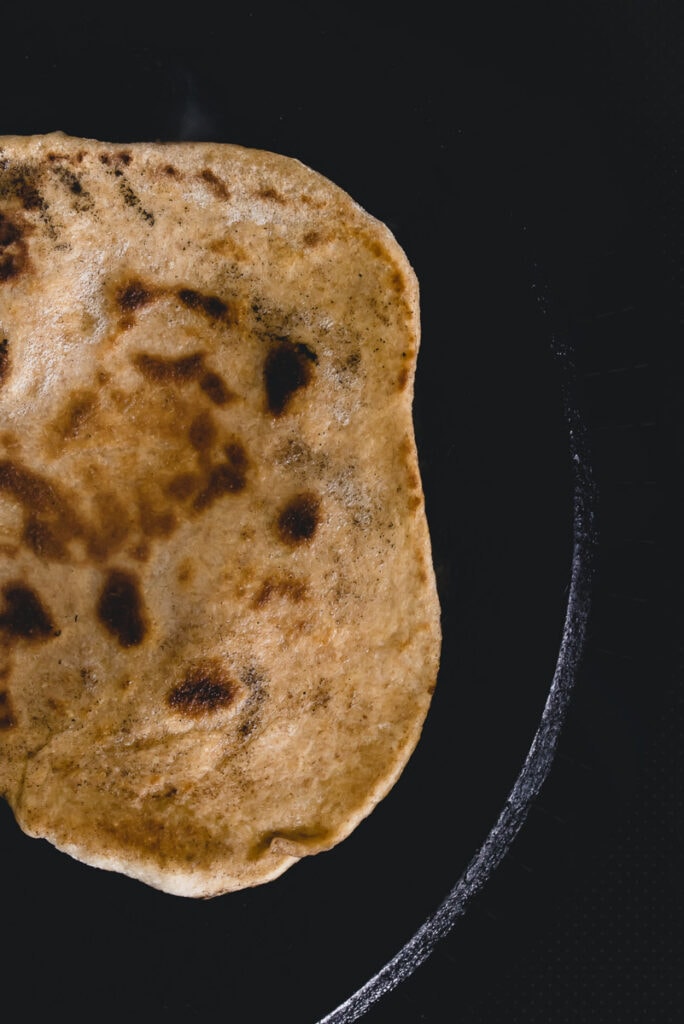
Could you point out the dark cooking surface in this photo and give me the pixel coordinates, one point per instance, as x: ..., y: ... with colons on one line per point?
x: 534, y: 148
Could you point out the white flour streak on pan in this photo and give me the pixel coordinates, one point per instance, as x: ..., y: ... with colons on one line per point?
x: 542, y: 751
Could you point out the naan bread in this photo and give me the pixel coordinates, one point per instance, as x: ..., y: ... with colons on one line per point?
x: 219, y: 627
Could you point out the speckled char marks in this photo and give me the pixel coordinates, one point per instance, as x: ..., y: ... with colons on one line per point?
x: 215, y: 570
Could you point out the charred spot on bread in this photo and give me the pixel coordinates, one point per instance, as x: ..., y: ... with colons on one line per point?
x: 133, y: 295
x: 287, y: 369
x: 204, y: 690
x: 24, y: 615
x: 229, y: 477
x: 218, y: 187
x: 120, y: 608
x: 298, y: 519
x: 215, y: 388
x: 210, y: 305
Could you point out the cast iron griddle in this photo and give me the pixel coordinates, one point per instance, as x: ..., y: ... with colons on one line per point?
x: 506, y: 487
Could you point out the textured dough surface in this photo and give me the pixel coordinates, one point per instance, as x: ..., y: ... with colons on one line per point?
x: 219, y: 626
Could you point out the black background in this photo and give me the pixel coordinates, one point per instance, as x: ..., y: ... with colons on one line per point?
x: 517, y: 148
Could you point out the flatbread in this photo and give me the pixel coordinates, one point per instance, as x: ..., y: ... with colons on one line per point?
x: 219, y: 625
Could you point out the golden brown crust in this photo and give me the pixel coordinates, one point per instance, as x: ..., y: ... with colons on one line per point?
x: 219, y: 628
